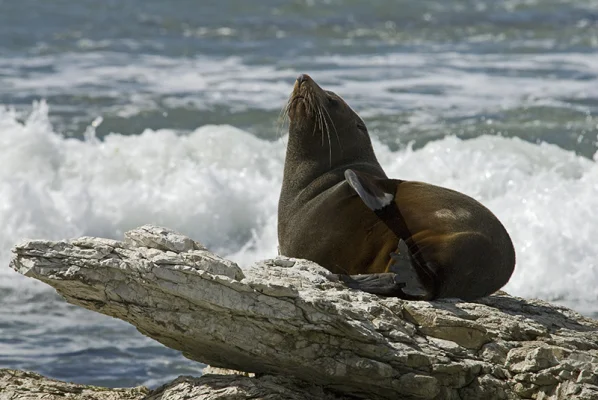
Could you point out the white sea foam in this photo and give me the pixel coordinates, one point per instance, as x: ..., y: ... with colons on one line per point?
x: 220, y: 185
x: 446, y: 82
x: 140, y: 80
x: 217, y: 184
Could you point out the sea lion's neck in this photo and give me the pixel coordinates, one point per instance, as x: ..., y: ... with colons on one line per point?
x: 305, y: 165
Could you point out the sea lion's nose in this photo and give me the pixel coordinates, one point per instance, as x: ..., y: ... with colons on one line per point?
x: 303, y: 78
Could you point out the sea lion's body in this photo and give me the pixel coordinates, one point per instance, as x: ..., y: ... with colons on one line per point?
x: 339, y: 209
x: 318, y: 229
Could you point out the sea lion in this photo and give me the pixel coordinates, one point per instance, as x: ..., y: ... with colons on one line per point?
x: 384, y: 236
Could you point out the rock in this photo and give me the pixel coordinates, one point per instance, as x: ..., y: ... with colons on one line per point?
x: 284, y: 317
x: 21, y: 385
x: 238, y: 387
x: 533, y: 358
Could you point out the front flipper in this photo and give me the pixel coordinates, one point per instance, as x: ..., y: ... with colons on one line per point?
x: 372, y: 194
x: 379, y: 196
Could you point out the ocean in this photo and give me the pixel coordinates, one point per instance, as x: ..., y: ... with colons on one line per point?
x: 116, y: 114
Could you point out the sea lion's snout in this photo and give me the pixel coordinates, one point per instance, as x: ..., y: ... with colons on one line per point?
x: 304, y: 97
x: 303, y: 84
x: 303, y: 78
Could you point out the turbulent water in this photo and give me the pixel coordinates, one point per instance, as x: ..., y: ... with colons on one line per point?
x: 116, y: 114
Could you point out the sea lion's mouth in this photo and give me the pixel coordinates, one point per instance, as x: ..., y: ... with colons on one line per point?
x: 298, y: 106
x: 295, y: 106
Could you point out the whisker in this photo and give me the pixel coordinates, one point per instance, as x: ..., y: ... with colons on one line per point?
x: 321, y: 126
x: 314, y: 110
x: 321, y: 121
x: 283, y: 116
x: 316, y: 122
x: 327, y: 130
x: 325, y: 121
x: 315, y: 125
x: 335, y: 131
x: 329, y: 146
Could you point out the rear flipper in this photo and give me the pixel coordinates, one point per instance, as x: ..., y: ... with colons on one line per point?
x: 408, y: 264
x: 403, y: 280
x: 384, y: 284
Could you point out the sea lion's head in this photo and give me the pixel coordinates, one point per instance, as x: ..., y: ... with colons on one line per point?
x: 324, y: 128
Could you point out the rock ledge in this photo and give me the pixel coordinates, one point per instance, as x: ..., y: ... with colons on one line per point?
x: 284, y: 317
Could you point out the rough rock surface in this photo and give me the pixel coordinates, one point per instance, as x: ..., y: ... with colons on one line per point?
x: 216, y: 387
x: 285, y: 317
x: 24, y: 385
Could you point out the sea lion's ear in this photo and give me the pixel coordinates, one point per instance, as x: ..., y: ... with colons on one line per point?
x: 369, y: 190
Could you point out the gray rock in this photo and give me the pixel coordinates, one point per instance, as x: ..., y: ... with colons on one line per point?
x: 238, y: 387
x: 285, y: 317
x: 22, y: 385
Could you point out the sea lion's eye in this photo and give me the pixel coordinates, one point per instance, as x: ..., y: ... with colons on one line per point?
x: 361, y: 126
x: 332, y: 99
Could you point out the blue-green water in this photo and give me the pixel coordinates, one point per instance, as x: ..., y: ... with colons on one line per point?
x: 168, y: 113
